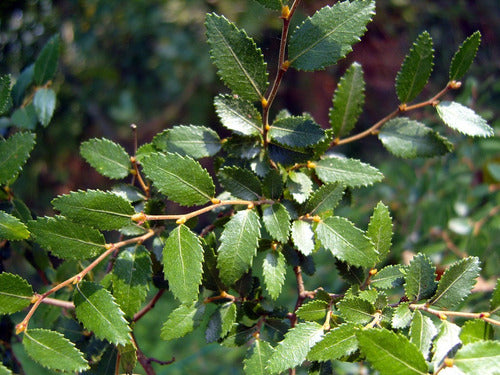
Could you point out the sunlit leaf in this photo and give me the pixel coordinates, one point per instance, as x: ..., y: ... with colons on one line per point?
x: 350, y: 172
x: 11, y: 228
x: 337, y: 343
x: 15, y: 293
x: 464, y: 119
x: 107, y: 157
x: 462, y: 60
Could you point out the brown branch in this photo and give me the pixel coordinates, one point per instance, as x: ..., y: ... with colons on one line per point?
x: 149, y: 306
x: 443, y: 314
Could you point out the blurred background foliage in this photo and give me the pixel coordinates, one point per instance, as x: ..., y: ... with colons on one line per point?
x: 146, y: 62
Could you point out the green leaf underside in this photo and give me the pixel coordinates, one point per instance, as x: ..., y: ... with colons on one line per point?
x: 296, y: 132
x: 350, y: 172
x: 52, y: 350
x: 300, y: 186
x: 11, y: 228
x: 181, y: 321
x: 456, y: 283
x: 416, y: 69
x: 107, y: 157
x: 181, y: 178
x: 479, y: 358
x: 66, y: 239
x: 239, y: 242
x: 256, y: 360
x: 97, y: 310
x: 14, y: 152
x: 221, y: 322
x: 182, y: 263
x: 194, y: 141
x: 407, y: 139
x: 15, y: 293
x: 464, y: 119
x: 271, y: 4
x: 328, y: 35
x: 463, y: 58
x: 277, y: 221
x: 446, y: 342
x: 292, y: 351
x: 274, y: 272
x: 313, y: 310
x: 44, y: 103
x: 46, y: 62
x: 325, y: 199
x: 239, y: 62
x: 102, y: 210
x: 5, y: 100
x: 476, y: 330
x: 241, y: 183
x: 380, y: 230
x: 346, y: 242
x: 420, y: 278
x: 388, y: 277
x: 356, y: 310
x: 390, y: 353
x: 348, y: 101
x: 337, y: 343
x: 238, y: 115
x: 422, y: 332
x: 302, y: 236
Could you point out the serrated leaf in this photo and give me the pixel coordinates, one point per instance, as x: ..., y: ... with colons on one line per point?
x: 408, y: 139
x: 221, y: 322
x: 422, y: 332
x: 271, y: 4
x: 416, y: 69
x: 97, y: 310
x: 182, y: 263
x: 181, y: 178
x: 495, y: 298
x: 107, y: 157
x: 446, y: 342
x: 241, y: 183
x: 462, y: 60
x: 476, y: 330
x: 390, y: 353
x: 25, y: 117
x: 299, y: 185
x: 325, y: 199
x: 274, y: 272
x: 350, y: 172
x: 239, y: 241
x: 401, y: 318
x: 356, y: 310
x: 464, y: 119
x: 272, y: 185
x: 287, y: 156
x: 45, y: 104
x: 346, y: 242
x: 100, y: 209
x: 312, y: 310
x: 388, y: 277
x: 302, y: 236
x: 66, y: 239
x: 479, y: 358
x: 380, y: 230
x: 456, y: 283
x: 52, y: 350
x: 420, y: 279
x: 194, y: 141
x: 238, y: 115
x: 292, y: 351
x: 257, y: 357
x: 15, y: 293
x: 46, y: 62
x: 328, y: 35
x: 296, y: 132
x: 337, y: 343
x: 348, y: 101
x: 182, y: 320
x: 14, y: 151
x: 277, y: 221
x: 239, y: 62
x: 5, y: 99
x: 11, y: 228
x: 131, y: 275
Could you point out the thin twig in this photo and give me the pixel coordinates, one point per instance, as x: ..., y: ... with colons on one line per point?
x: 444, y: 313
x: 149, y: 306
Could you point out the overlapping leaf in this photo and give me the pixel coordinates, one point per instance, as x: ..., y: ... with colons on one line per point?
x: 463, y: 58
x: 277, y: 221
x: 380, y: 230
x: 15, y: 293
x: 182, y: 320
x: 479, y: 358
x: 274, y: 272
x: 299, y: 185
x: 11, y: 228
x: 325, y: 199
x: 420, y: 278
x: 388, y: 277
x: 14, y: 152
x: 422, y: 332
x: 464, y: 119
x: 46, y: 62
x: 256, y: 360
x: 25, y: 117
x: 45, y: 104
x: 401, y: 318
x: 5, y: 99
x: 302, y: 236
x: 22, y: 83
x: 241, y: 183
x: 296, y: 132
x: 356, y: 310
x: 337, y: 343
x: 313, y: 310
x: 476, y: 330
x: 446, y: 342
x: 221, y: 322
x: 272, y: 185
x: 350, y: 172
x: 238, y: 115
x: 107, y: 157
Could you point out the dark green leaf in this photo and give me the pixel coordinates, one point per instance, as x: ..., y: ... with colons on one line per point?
x: 46, y: 62
x: 462, y: 60
x: 128, y: 357
x: 238, y: 115
x: 495, y: 298
x: 380, y: 230
x: 313, y: 310
x: 464, y: 119
x: 446, y: 342
x: 271, y: 4
x: 296, y: 132
x: 422, y: 332
x: 108, y: 158
x: 388, y: 277
x: 44, y: 103
x: 416, y: 69
x: 350, y: 172
x: 96, y: 308
x: 5, y: 99
x: 22, y: 83
x: 302, y: 236
x: 328, y: 35
x: 401, y: 318
x: 272, y: 186
x: 241, y: 183
x: 182, y: 320
x: 11, y: 228
x: 274, y: 272
x: 221, y: 322
x: 257, y: 357
x: 277, y: 221
x: 476, y: 330
x: 287, y: 156
x: 15, y: 293
x: 14, y: 152
x: 420, y: 279
x: 337, y: 343
x: 325, y: 199
x: 479, y: 358
x: 66, y: 239
x: 25, y: 117
x: 239, y: 62
x: 299, y: 185
x: 356, y: 310
x: 181, y: 178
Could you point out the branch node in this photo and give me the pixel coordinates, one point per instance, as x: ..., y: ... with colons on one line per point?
x: 181, y: 220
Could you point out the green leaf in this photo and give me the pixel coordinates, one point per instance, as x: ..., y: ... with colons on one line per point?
x: 272, y: 186
x: 476, y: 330
x: 346, y: 242
x: 462, y: 60
x: 296, y: 132
x: 292, y: 351
x: 128, y: 357
x: 181, y: 178
x: 46, y: 62
x: 52, y: 350
x: 194, y: 141
x: 108, y: 158
x: 408, y: 139
x: 390, y: 353
x: 337, y: 343
x: 96, y: 308
x: 420, y: 279
x: 15, y: 293
x: 479, y: 358
x: 241, y: 183
x: 239, y: 62
x: 277, y: 221
x: 356, y: 310
x: 495, y: 298
x: 239, y: 241
x: 271, y: 4
x: 328, y: 35
x: 182, y: 320
x: 5, y: 98
x: 131, y: 274
x: 221, y: 322
x: 464, y: 119
x: 299, y: 185
x: 14, y: 152
x: 257, y: 357
x: 22, y: 83
x: 238, y: 115
x: 446, y: 342
x: 416, y: 69
x: 422, y: 332
x: 350, y: 172
x: 66, y: 239
x: 401, y: 318
x: 313, y: 310
x: 456, y: 283
x: 4, y: 370
x: 182, y: 263
x: 325, y: 199
x: 388, y: 277
x: 45, y: 104
x: 25, y: 117
x: 102, y: 210
x: 380, y: 230
x: 11, y: 228
x: 274, y: 272
x: 302, y: 236
x: 348, y: 101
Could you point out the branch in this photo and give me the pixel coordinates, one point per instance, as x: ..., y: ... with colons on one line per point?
x: 443, y: 314
x: 149, y: 306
